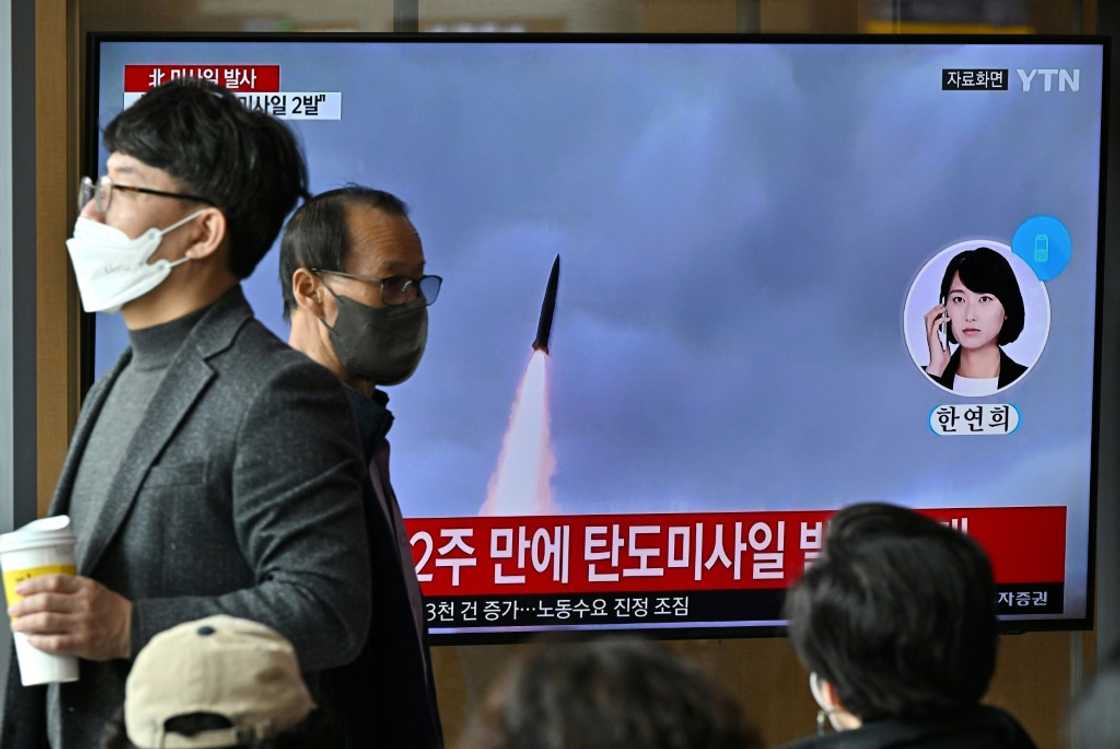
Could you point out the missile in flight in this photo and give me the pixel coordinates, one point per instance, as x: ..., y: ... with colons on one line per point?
x: 548, y: 307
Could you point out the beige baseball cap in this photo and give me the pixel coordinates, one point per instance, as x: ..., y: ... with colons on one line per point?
x: 232, y: 667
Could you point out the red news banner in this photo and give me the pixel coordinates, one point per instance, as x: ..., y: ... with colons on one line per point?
x: 501, y: 572
x: 141, y: 78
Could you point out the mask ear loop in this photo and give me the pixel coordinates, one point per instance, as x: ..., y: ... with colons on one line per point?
x: 185, y: 219
x: 171, y: 264
x: 823, y: 712
x: 328, y: 288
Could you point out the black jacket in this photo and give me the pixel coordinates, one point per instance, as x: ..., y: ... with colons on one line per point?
x: 1009, y: 370
x: 246, y: 445
x: 981, y: 727
x: 386, y: 698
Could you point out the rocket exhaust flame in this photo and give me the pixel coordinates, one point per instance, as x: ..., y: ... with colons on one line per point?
x: 522, y: 481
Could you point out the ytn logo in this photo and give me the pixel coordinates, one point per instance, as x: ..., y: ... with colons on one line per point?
x: 1068, y: 80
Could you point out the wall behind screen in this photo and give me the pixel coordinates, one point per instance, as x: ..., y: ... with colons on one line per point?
x: 1035, y: 671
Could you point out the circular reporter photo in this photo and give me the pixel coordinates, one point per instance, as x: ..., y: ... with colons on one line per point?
x: 976, y: 318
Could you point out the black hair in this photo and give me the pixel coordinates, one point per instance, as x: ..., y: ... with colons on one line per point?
x: 611, y: 693
x: 314, y: 732
x: 317, y: 235
x: 244, y: 161
x: 985, y: 271
x: 898, y: 613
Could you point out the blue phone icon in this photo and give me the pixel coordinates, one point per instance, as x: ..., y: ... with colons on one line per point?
x: 1041, y: 248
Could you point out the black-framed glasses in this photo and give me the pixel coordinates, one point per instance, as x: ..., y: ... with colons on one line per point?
x: 398, y: 289
x: 101, y: 192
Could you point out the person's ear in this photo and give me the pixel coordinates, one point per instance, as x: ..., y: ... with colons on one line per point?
x: 308, y: 292
x: 208, y: 231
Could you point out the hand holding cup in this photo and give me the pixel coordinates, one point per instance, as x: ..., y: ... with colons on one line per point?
x: 73, y: 615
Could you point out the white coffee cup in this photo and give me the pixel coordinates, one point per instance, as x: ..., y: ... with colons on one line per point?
x: 42, y: 547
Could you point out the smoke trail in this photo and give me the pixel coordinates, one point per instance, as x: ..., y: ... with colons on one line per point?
x: 522, y: 482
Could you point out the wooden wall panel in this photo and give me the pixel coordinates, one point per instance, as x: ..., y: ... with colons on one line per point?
x: 56, y: 295
x: 689, y: 16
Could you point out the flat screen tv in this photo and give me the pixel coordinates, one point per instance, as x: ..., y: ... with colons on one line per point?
x: 743, y: 333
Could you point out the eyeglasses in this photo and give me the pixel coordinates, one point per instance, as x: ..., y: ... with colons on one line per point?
x: 398, y: 289
x: 101, y: 192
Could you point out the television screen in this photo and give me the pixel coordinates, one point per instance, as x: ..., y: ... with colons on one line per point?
x: 792, y: 276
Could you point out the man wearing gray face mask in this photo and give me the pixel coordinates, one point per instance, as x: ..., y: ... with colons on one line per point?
x: 355, y: 292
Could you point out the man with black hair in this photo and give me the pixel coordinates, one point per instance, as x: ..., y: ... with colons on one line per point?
x: 213, y: 470
x: 355, y: 292
x: 896, y: 623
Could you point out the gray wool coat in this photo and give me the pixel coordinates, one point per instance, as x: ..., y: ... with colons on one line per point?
x: 241, y: 494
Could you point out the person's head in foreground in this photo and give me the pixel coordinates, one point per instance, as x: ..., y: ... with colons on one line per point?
x: 608, y: 694
x: 896, y: 623
x: 216, y: 682
x: 1095, y: 719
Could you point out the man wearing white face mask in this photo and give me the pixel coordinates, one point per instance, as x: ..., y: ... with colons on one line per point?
x: 896, y: 622
x: 201, y: 460
x: 355, y: 291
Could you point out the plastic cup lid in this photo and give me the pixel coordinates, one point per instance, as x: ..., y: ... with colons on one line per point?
x: 45, y: 531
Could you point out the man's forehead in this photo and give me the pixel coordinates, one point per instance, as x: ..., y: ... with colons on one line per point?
x: 383, y: 239
x: 119, y: 162
x: 123, y: 165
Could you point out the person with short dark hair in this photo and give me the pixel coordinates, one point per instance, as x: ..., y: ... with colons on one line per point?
x: 611, y: 693
x: 896, y: 623
x: 216, y: 683
x: 318, y: 236
x: 1095, y: 719
x: 355, y: 291
x: 201, y: 461
x: 980, y: 307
